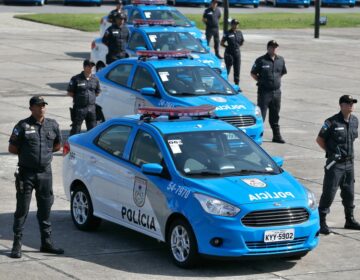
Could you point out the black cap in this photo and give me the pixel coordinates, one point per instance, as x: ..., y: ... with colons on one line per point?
x: 347, y: 99
x: 216, y: 1
x: 234, y: 21
x: 88, y: 62
x: 119, y: 2
x: 37, y: 100
x: 272, y: 43
x: 120, y: 16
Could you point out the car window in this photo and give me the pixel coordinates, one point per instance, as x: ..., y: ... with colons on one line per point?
x: 136, y: 40
x: 142, y: 79
x: 145, y: 150
x: 171, y: 41
x: 114, y: 139
x: 120, y: 74
x: 167, y: 15
x: 135, y: 15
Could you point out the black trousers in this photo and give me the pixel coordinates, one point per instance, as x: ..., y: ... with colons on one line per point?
x: 340, y: 174
x: 213, y: 32
x: 233, y: 60
x: 79, y: 115
x: 113, y: 57
x: 42, y: 183
x: 272, y: 101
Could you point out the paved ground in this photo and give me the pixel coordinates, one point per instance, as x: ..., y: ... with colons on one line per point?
x: 40, y: 59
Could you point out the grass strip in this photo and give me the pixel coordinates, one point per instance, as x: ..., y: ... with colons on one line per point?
x: 90, y: 22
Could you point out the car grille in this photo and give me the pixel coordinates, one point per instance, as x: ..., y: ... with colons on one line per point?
x: 271, y: 245
x: 239, y: 121
x: 278, y: 217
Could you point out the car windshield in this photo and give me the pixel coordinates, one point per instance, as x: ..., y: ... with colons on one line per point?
x: 218, y: 154
x: 180, y: 20
x: 193, y: 81
x: 175, y: 41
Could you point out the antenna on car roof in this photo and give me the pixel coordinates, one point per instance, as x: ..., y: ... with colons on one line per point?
x: 198, y: 112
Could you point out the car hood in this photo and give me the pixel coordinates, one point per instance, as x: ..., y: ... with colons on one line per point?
x: 208, y: 59
x: 239, y: 190
x: 226, y: 105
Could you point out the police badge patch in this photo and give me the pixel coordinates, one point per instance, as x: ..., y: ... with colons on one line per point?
x: 139, y: 192
x: 254, y: 182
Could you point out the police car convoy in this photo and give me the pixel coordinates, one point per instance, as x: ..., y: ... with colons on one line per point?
x: 195, y: 182
x: 157, y: 80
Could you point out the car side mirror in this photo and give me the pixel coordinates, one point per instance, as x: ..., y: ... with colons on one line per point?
x: 148, y: 91
x: 278, y: 160
x: 236, y: 88
x: 152, y: 168
x: 140, y: 49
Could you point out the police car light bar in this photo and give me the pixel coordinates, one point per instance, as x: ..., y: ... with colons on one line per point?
x: 153, y: 22
x: 195, y: 111
x: 163, y: 54
x: 149, y: 2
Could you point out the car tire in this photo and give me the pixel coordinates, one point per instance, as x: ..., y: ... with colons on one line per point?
x: 306, y: 6
x: 256, y: 6
x: 182, y: 245
x: 82, y: 210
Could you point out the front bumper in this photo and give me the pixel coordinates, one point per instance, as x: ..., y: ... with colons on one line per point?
x: 242, y: 241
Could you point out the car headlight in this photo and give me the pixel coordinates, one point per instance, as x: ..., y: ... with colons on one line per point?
x: 257, y: 112
x: 216, y: 206
x: 312, y: 203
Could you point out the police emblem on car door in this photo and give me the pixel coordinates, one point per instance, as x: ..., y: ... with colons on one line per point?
x: 139, y: 192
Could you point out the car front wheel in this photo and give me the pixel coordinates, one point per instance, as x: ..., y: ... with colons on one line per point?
x: 182, y: 244
x: 82, y: 210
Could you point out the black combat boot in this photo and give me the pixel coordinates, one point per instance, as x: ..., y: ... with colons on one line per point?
x: 351, y: 223
x: 48, y: 247
x: 324, y: 229
x: 16, y: 249
x: 277, y: 136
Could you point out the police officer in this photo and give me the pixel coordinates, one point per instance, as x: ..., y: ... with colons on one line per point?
x: 232, y: 40
x: 34, y: 140
x: 267, y: 71
x: 117, y: 10
x: 116, y: 38
x: 211, y: 19
x: 83, y: 88
x: 337, y: 137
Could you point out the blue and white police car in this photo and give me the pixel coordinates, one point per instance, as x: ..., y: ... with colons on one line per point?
x: 35, y: 2
x: 254, y: 3
x: 154, y: 10
x: 350, y: 3
x: 171, y: 79
x: 160, y: 35
x: 277, y: 3
x: 89, y: 2
x: 198, y: 184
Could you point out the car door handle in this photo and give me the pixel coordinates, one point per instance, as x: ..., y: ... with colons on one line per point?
x: 93, y: 159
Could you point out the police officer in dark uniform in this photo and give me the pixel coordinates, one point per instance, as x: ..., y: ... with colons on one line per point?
x: 34, y: 140
x: 232, y: 40
x: 211, y: 19
x: 337, y: 137
x: 116, y: 38
x: 83, y: 88
x: 267, y: 71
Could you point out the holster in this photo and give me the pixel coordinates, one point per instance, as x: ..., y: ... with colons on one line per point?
x: 19, y: 184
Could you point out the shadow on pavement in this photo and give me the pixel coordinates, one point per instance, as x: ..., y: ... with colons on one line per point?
x: 122, y: 249
x: 59, y: 86
x: 83, y: 55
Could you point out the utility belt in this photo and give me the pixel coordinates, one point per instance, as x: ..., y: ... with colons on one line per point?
x: 344, y: 159
x: 35, y: 170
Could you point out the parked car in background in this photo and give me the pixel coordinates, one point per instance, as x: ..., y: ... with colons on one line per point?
x: 90, y: 2
x: 254, y: 3
x: 276, y: 3
x: 34, y: 2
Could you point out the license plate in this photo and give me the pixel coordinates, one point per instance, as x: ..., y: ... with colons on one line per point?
x: 279, y: 235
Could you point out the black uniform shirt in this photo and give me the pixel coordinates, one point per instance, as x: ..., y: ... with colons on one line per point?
x: 269, y: 72
x: 84, y: 90
x: 212, y: 17
x: 35, y: 142
x: 234, y: 41
x: 116, y: 38
x: 340, y: 135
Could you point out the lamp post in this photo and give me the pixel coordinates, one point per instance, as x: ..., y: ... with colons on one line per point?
x: 317, y: 19
x: 226, y: 15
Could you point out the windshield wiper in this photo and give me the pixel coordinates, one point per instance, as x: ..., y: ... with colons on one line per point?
x: 220, y: 93
x: 204, y: 173
x: 249, y: 171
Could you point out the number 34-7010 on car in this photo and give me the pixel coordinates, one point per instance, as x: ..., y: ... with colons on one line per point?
x: 199, y: 184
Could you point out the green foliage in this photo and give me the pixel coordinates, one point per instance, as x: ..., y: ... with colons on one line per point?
x: 90, y: 22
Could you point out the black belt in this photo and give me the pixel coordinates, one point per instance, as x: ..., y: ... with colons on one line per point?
x: 35, y: 170
x: 345, y: 159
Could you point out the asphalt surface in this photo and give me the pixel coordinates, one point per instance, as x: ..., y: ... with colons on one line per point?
x: 40, y: 59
